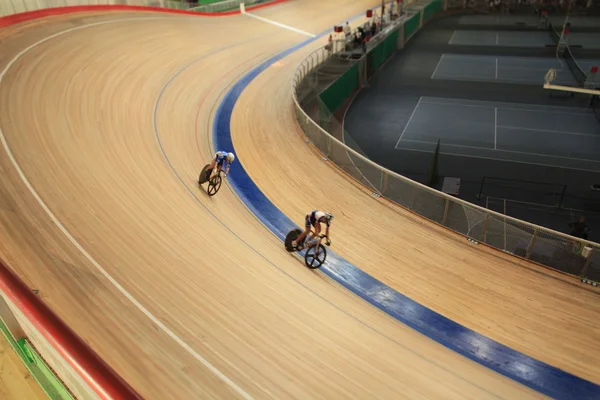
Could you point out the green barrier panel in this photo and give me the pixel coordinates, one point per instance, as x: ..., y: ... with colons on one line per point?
x: 381, y: 53
x: 431, y: 9
x: 38, y: 368
x: 336, y: 94
x: 389, y: 44
x: 42, y: 372
x: 411, y: 25
x: 375, y: 58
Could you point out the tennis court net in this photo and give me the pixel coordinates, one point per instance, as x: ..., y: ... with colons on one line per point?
x: 578, y: 73
x: 576, y: 70
x: 553, y: 33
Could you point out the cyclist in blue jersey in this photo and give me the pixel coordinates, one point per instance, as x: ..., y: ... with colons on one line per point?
x: 315, y: 219
x: 220, y: 160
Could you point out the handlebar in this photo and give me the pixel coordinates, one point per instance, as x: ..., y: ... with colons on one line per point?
x: 323, y: 236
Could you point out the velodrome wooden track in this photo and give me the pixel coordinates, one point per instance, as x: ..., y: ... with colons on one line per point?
x: 210, y: 305
x: 15, y: 380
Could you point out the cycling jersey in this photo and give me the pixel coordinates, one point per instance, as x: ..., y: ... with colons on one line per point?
x: 221, y: 159
x: 314, y: 217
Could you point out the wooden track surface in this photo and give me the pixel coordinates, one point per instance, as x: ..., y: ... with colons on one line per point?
x: 16, y: 383
x: 215, y: 289
x: 528, y: 308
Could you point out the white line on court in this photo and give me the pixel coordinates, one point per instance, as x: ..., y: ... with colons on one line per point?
x: 437, y: 65
x: 550, y: 109
x: 463, y: 78
x: 502, y: 159
x: 457, y: 104
x: 548, y: 130
x: 528, y: 59
x: 452, y: 37
x: 279, y: 24
x: 501, y: 151
x: 495, y: 127
x: 519, y: 63
x: 536, y: 69
x: 449, y: 144
x: 496, y: 68
x: 75, y: 243
x: 409, y: 119
x: 496, y: 38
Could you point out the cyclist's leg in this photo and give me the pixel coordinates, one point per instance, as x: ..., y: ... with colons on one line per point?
x: 300, y: 238
x: 211, y: 168
x: 314, y: 234
x: 317, y: 229
x: 213, y: 163
x: 217, y: 168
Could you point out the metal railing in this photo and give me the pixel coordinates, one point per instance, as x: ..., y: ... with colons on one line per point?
x: 553, y: 249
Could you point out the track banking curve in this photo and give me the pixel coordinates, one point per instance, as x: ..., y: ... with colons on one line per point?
x: 205, y: 269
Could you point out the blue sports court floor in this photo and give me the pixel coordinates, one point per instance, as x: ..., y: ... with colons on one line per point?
x: 520, y: 39
x: 526, y: 20
x: 545, y: 135
x: 476, y: 83
x: 483, y: 68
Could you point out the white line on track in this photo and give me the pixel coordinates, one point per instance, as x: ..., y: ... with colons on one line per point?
x: 279, y: 24
x: 121, y: 289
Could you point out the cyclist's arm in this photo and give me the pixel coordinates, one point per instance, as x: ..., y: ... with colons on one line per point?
x: 327, y: 232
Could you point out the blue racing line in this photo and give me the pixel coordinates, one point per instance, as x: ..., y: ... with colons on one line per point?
x: 519, y: 367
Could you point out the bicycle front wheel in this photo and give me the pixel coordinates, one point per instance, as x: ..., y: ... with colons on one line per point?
x: 214, y: 185
x: 315, y: 256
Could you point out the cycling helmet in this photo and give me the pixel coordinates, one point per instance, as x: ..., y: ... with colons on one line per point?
x: 230, y: 157
x: 329, y: 217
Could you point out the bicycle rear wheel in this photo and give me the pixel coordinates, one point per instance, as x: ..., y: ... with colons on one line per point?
x: 204, y: 174
x: 291, y: 236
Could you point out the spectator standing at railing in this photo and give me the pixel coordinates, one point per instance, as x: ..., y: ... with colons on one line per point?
x: 357, y: 38
x: 347, y: 30
x: 579, y: 228
x: 365, y: 39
